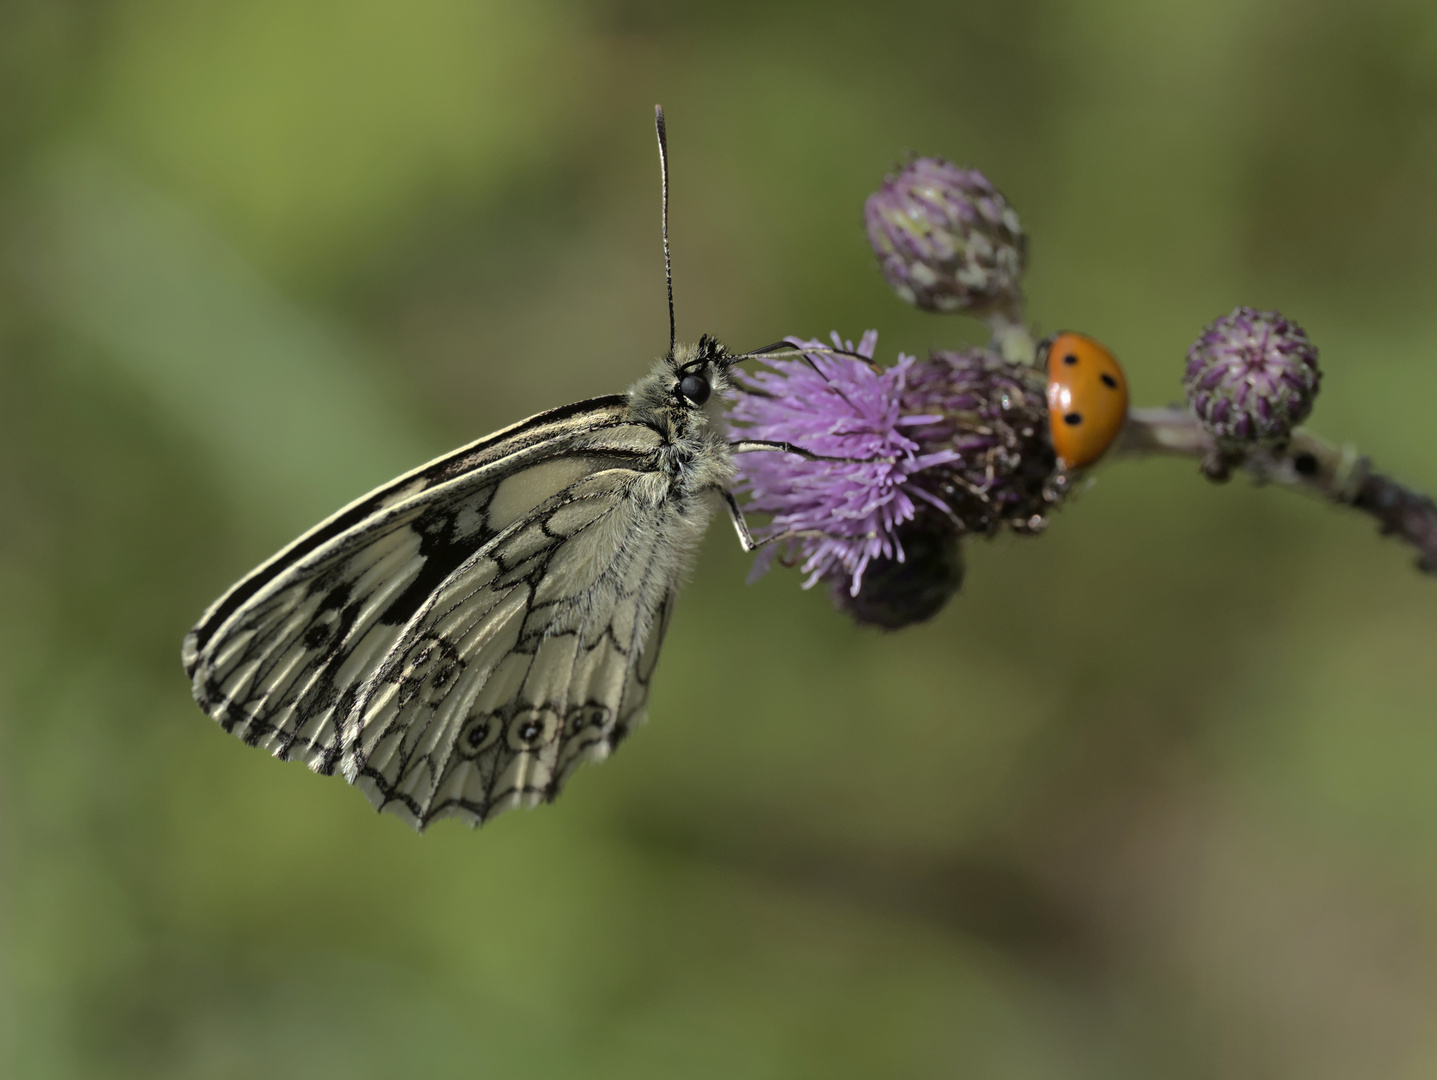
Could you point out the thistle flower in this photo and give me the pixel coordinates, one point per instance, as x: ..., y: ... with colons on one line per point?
x: 843, y: 407
x: 1251, y: 378
x: 934, y: 451
x: 946, y: 239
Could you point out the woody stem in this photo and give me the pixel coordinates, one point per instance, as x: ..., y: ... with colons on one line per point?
x: 1307, y: 463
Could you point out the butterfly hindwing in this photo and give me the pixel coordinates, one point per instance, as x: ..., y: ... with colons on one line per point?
x: 460, y: 639
x: 531, y: 658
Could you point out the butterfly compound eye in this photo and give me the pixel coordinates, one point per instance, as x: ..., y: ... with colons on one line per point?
x: 695, y: 388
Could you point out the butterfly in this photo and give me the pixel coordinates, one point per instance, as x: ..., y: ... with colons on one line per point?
x: 458, y: 641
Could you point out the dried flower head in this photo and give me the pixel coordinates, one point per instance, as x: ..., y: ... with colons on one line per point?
x: 946, y: 239
x: 934, y: 451
x: 1251, y: 378
x: 994, y: 414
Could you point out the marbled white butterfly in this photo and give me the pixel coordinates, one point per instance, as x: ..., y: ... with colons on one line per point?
x: 458, y: 641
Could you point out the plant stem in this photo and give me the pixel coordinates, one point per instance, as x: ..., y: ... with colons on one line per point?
x: 1012, y: 338
x: 1307, y: 463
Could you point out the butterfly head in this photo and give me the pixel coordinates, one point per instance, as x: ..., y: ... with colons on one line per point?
x: 672, y: 396
x: 698, y: 371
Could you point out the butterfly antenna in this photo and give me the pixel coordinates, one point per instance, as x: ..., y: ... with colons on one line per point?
x: 664, y: 174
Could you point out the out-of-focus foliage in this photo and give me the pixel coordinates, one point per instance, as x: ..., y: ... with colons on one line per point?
x: 1155, y: 796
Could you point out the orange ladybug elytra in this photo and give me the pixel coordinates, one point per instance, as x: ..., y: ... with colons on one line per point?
x: 1087, y: 398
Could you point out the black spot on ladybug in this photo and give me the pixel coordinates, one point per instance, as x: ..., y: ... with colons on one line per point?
x: 1305, y: 464
x: 1073, y: 418
x: 1109, y: 381
x: 1070, y: 359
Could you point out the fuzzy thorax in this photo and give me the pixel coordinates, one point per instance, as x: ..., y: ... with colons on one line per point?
x: 693, y: 456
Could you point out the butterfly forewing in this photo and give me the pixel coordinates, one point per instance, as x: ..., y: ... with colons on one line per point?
x: 459, y: 640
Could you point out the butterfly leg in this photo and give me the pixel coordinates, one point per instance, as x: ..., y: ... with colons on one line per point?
x: 742, y: 446
x: 745, y: 537
x: 740, y: 523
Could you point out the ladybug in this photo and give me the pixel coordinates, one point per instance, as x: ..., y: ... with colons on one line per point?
x: 1087, y: 398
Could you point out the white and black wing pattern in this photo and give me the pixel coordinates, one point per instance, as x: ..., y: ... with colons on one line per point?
x: 459, y: 640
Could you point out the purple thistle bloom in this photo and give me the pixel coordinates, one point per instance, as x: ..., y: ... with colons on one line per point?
x: 837, y: 406
x: 935, y: 450
x: 1252, y: 377
x: 946, y: 239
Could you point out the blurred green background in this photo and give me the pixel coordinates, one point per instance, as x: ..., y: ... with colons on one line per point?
x: 1154, y: 797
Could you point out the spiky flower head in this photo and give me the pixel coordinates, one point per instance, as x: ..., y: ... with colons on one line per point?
x: 946, y: 239
x: 1251, y: 378
x: 839, y: 406
x: 933, y: 451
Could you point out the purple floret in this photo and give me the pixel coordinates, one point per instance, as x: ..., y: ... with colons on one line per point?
x: 836, y: 406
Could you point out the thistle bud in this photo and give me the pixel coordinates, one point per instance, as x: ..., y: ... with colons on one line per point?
x: 946, y: 239
x: 1251, y: 378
